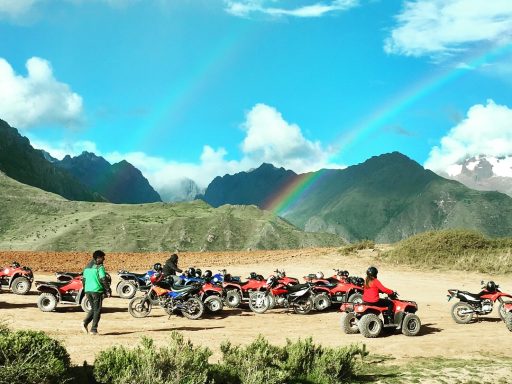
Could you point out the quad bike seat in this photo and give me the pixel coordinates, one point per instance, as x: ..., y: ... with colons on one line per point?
x: 333, y: 280
x: 330, y: 285
x: 70, y: 274
x: 139, y: 275
x: 297, y: 287
x: 57, y: 284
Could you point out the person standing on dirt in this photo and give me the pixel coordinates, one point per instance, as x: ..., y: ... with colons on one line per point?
x: 171, y: 267
x: 372, y: 288
x: 95, y: 282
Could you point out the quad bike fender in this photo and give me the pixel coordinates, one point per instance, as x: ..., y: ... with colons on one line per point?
x: 347, y: 307
x: 18, y: 274
x: 45, y: 288
x: 228, y: 286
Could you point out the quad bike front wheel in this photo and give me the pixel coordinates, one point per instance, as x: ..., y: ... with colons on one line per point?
x: 126, y: 289
x: 462, y: 313
x: 349, y: 323
x: 213, y: 304
x: 21, y: 285
x: 304, y: 306
x: 193, y: 308
x: 233, y: 298
x: 370, y: 325
x: 47, y: 302
x: 322, y: 302
x: 259, y: 302
x: 140, y: 307
x: 356, y: 298
x: 86, y: 304
x: 411, y: 325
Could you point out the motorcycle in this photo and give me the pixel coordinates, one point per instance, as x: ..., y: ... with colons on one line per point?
x: 479, y: 304
x: 370, y: 319
x: 65, y: 292
x: 131, y: 282
x: 171, y: 297
x: 17, y: 278
x: 298, y: 297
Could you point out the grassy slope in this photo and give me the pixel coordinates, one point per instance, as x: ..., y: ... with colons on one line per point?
x: 31, y: 219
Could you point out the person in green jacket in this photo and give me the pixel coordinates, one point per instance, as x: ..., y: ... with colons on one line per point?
x: 95, y: 282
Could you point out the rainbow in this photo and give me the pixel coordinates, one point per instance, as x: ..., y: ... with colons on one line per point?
x: 289, y: 195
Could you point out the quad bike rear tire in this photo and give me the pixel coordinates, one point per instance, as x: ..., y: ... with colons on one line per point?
x: 194, y: 309
x: 21, y: 285
x: 304, y: 306
x: 461, y: 318
x: 370, y: 325
x: 508, y: 321
x: 411, y: 325
x: 140, y: 307
x: 233, y: 298
x: 322, y: 302
x: 86, y: 304
x: 47, y: 302
x: 126, y: 289
x: 349, y: 323
x: 259, y: 302
x: 213, y: 304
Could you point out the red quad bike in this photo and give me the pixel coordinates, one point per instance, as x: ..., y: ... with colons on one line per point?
x: 471, y: 304
x: 339, y: 288
x: 508, y: 316
x: 239, y: 291
x: 67, y: 290
x: 370, y: 319
x: 297, y: 296
x: 19, y: 279
x: 280, y: 289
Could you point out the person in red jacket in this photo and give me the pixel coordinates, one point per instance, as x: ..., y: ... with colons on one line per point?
x: 372, y: 288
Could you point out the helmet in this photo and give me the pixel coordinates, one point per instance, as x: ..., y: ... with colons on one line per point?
x: 491, y: 286
x: 319, y: 275
x: 157, y: 267
x: 207, y: 274
x: 345, y: 273
x: 372, y: 271
x: 198, y: 272
x: 253, y: 275
x: 191, y: 272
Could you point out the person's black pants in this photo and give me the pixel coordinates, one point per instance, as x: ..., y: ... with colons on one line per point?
x: 96, y: 300
x: 385, y: 303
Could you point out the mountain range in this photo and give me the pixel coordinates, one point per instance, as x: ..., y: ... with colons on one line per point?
x: 386, y: 198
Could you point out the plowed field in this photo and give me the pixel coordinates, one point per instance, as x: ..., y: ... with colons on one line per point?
x: 440, y: 335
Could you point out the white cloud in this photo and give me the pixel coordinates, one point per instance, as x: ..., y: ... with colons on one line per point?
x: 245, y: 8
x: 269, y: 138
x: 440, y: 27
x: 15, y: 8
x: 487, y: 130
x: 38, y: 98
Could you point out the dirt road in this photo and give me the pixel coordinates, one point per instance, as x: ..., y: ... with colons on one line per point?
x: 440, y: 335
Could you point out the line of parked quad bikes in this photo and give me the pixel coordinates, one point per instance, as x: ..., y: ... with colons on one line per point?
x: 198, y: 292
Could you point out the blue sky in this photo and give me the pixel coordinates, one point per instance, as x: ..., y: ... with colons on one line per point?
x: 199, y: 88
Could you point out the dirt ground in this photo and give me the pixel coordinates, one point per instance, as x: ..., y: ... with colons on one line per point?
x: 440, y: 335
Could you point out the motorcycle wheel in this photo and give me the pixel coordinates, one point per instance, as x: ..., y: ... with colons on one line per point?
x: 140, y: 307
x: 86, y: 304
x: 213, y: 304
x: 126, y: 289
x: 461, y: 318
x: 233, y: 298
x: 304, y: 306
x: 411, y: 325
x: 21, y: 285
x: 508, y: 321
x: 502, y: 311
x: 356, y: 298
x: 349, y: 323
x: 370, y: 325
x: 258, y: 302
x: 193, y: 308
x: 47, y: 302
x: 322, y: 302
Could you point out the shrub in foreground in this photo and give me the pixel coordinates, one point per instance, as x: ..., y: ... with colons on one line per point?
x: 32, y: 357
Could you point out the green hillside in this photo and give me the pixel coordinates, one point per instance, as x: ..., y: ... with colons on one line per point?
x: 31, y: 219
x: 390, y: 197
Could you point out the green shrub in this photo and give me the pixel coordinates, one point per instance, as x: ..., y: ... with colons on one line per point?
x: 360, y: 245
x: 32, y: 357
x: 178, y: 362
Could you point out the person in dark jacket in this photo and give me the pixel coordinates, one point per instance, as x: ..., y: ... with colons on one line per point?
x: 96, y: 285
x: 372, y: 288
x: 171, y: 267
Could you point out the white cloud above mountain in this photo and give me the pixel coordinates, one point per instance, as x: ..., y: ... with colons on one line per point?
x: 269, y: 138
x: 440, y: 27
x: 247, y: 8
x: 37, y: 98
x: 486, y: 130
